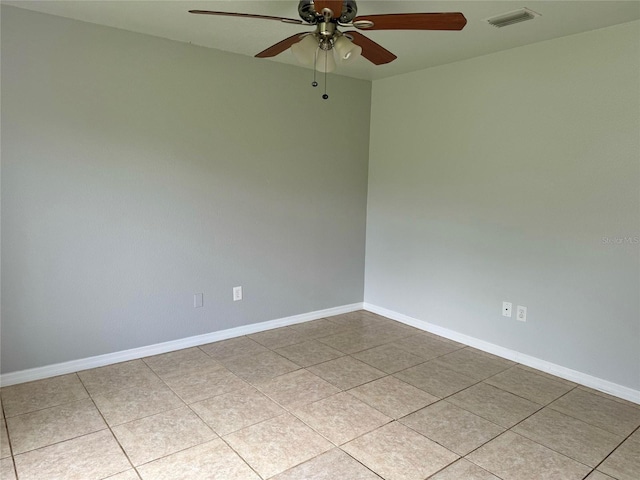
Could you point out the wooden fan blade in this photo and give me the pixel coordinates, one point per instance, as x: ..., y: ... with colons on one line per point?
x: 375, y: 53
x: 334, y: 5
x: 247, y: 15
x: 414, y: 21
x: 281, y: 46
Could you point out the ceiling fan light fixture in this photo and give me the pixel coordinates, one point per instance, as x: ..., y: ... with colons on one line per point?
x: 347, y: 51
x: 305, y: 50
x: 325, y: 63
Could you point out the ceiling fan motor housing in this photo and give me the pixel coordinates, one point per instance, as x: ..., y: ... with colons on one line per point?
x: 308, y: 12
x: 325, y: 32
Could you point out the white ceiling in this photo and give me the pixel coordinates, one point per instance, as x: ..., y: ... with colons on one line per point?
x: 416, y: 50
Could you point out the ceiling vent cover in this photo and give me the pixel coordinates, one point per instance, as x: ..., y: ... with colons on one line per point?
x: 510, y: 18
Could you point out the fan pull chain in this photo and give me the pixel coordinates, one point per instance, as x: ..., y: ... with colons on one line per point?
x: 315, y: 62
x: 326, y: 54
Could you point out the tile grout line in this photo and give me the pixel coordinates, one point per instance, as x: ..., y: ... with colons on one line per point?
x: 188, y: 405
x: 392, y: 420
x: 241, y: 457
x: 135, y: 468
x: 185, y: 404
x: 11, y: 455
x: 548, y: 447
x: 221, y: 437
x: 580, y: 419
x: 351, y: 456
x: 286, y: 410
x: 509, y: 429
x: 618, y: 446
x: 387, y: 375
x: 463, y: 458
x: 109, y: 428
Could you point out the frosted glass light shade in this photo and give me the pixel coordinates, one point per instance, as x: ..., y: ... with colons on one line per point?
x: 346, y: 50
x: 305, y: 50
x: 325, y: 61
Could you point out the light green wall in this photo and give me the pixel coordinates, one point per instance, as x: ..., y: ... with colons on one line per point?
x: 137, y: 171
x: 501, y: 178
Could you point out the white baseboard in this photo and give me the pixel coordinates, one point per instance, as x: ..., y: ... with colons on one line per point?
x: 533, y: 362
x: 136, y: 353
x: 47, y: 371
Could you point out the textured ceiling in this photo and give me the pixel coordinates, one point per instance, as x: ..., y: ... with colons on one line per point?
x: 416, y: 50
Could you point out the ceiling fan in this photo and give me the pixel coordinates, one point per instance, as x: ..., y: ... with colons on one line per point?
x: 317, y: 47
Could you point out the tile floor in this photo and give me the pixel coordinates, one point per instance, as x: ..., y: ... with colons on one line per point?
x: 353, y: 397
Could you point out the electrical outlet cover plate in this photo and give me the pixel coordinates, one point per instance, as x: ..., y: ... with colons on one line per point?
x: 198, y: 300
x: 521, y: 315
x: 237, y: 293
x: 506, y: 309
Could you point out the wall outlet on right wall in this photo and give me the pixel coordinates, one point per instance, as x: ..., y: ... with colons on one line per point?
x: 521, y: 313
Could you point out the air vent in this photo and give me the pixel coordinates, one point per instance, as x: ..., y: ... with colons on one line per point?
x: 510, y: 18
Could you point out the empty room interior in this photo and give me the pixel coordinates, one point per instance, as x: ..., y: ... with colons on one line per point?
x: 426, y: 266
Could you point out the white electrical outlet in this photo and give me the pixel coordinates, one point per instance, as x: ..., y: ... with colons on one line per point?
x: 506, y: 309
x: 237, y: 293
x: 198, y: 300
x: 521, y: 313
